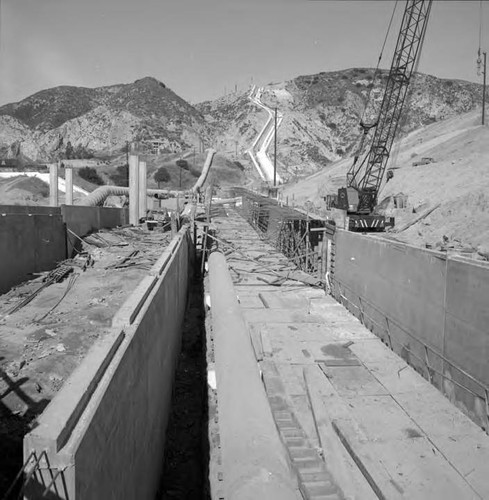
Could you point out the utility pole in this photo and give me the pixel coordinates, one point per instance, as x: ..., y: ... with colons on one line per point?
x: 484, y: 90
x: 275, y: 152
x: 180, y: 183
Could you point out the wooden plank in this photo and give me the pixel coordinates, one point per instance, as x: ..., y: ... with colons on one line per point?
x: 338, y: 461
x: 255, y: 335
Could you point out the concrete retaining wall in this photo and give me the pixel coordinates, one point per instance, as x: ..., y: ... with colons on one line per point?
x: 83, y: 220
x: 34, y: 239
x: 432, y: 310
x: 29, y: 244
x: 105, y: 429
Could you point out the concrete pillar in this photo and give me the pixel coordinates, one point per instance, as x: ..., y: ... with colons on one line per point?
x: 254, y: 460
x: 53, y: 184
x: 69, y: 186
x: 133, y: 190
x: 143, y: 199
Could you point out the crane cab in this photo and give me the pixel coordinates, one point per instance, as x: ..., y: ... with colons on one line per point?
x: 359, y: 206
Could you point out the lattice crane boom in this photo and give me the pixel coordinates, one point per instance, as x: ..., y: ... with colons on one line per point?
x: 367, y: 177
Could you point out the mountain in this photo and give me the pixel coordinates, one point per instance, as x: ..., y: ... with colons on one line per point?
x: 322, y: 113
x: 99, y: 120
x: 320, y: 126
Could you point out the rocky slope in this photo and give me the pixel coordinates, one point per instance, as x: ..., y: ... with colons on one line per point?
x: 322, y: 113
x: 456, y: 183
x: 321, y: 116
x: 99, y: 120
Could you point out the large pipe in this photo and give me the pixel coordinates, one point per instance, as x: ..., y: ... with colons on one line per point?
x: 253, y: 457
x: 203, y: 176
x: 98, y: 197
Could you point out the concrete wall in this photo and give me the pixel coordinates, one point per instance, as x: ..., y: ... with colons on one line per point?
x: 432, y: 310
x: 34, y: 239
x: 27, y: 209
x: 83, y: 220
x: 29, y: 244
x: 106, y: 427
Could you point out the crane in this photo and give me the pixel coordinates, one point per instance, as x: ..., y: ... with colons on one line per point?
x: 359, y: 197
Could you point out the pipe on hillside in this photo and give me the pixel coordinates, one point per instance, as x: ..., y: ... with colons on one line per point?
x: 203, y: 176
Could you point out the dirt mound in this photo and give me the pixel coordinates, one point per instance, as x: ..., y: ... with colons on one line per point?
x: 23, y: 190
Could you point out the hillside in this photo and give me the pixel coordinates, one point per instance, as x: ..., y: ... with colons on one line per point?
x: 458, y: 180
x: 99, y: 120
x: 322, y: 113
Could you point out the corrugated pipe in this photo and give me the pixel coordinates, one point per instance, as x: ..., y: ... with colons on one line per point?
x: 98, y: 197
x: 203, y: 176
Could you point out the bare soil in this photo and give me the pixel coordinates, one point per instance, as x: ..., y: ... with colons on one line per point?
x: 40, y: 346
x: 184, y: 474
x: 457, y: 180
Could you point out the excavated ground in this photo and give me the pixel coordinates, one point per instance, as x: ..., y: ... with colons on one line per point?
x: 44, y: 341
x: 184, y: 474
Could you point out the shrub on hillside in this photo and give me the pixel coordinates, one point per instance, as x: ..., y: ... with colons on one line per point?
x: 82, y: 153
x: 182, y: 164
x: 161, y: 175
x: 121, y: 176
x: 90, y: 174
x: 239, y: 165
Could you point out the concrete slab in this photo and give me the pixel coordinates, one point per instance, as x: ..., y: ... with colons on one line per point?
x: 286, y: 301
x: 279, y: 316
x: 320, y: 332
x: 353, y: 381
x: 408, y: 439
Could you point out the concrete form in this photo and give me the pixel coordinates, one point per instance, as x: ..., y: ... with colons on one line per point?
x: 29, y: 243
x: 36, y: 239
x: 104, y: 431
x: 430, y: 308
x: 344, y: 403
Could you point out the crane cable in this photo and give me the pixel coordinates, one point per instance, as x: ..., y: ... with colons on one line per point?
x: 379, y: 60
x: 359, y: 150
x: 397, y: 146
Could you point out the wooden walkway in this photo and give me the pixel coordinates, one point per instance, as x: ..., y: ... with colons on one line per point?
x: 357, y: 421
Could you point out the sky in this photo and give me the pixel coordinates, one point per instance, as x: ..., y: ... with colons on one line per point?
x: 202, y: 49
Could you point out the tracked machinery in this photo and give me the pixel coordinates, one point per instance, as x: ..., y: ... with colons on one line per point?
x: 360, y: 196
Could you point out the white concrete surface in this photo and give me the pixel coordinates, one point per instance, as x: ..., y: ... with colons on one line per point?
x: 44, y: 177
x: 258, y: 150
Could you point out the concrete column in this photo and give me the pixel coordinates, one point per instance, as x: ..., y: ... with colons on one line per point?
x: 254, y: 459
x: 133, y: 190
x: 143, y: 199
x: 53, y: 184
x: 69, y: 186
